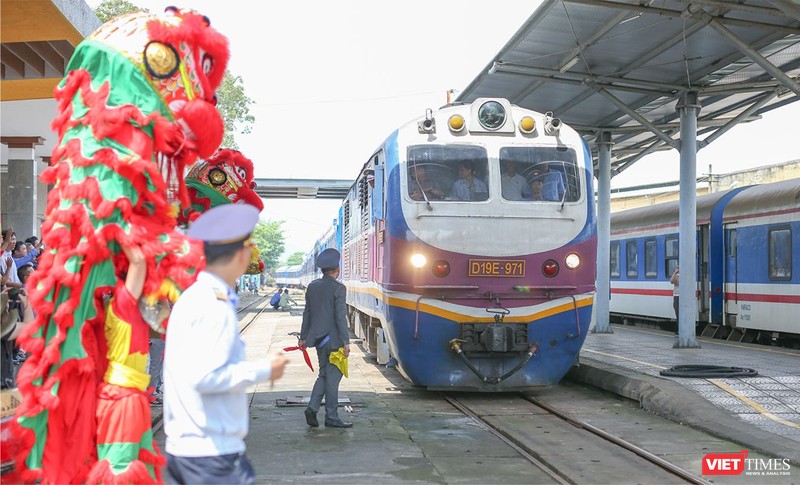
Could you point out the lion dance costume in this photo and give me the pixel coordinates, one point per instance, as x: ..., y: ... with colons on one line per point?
x: 136, y: 109
x: 225, y: 178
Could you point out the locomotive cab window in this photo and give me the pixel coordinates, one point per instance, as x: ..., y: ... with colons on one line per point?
x: 780, y: 253
x: 539, y: 174
x: 452, y: 172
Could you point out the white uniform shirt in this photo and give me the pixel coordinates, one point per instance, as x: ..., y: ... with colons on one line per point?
x: 205, y: 373
x: 512, y: 187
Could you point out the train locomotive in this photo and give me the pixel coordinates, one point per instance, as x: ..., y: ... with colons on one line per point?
x: 468, y: 245
x: 748, y: 263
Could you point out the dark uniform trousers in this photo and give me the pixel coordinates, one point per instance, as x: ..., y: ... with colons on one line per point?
x: 233, y: 468
x: 327, y: 384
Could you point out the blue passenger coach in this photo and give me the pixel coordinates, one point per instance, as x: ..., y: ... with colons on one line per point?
x: 748, y: 262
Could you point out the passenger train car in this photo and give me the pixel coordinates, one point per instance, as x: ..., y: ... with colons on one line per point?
x: 468, y: 243
x: 288, y: 276
x: 748, y: 260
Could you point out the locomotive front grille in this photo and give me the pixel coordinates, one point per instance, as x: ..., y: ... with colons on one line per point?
x: 494, y: 337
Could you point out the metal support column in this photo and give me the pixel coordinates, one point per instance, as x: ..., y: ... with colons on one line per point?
x: 688, y: 109
x: 603, y: 234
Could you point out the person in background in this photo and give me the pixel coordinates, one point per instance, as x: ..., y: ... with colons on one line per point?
x: 325, y: 327
x: 285, y: 300
x: 536, y: 186
x: 7, y: 265
x: 675, y: 280
x: 552, y: 184
x: 512, y: 183
x: 22, y: 256
x: 206, y: 412
x: 16, y: 315
x: 275, y: 301
x: 419, y: 182
x: 468, y: 186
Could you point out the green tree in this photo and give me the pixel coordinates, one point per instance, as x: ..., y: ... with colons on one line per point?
x: 296, y: 257
x: 234, y: 106
x: 268, y: 237
x: 113, y: 8
x: 232, y: 103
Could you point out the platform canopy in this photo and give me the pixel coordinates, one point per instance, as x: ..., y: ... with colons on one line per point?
x: 623, y: 66
x: 302, y: 188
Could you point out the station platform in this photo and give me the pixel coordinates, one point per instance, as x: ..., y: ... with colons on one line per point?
x: 403, y: 433
x: 761, y: 412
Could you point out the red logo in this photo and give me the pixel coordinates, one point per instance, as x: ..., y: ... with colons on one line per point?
x: 724, y: 463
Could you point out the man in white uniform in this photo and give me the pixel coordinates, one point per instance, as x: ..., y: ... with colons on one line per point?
x: 205, y: 372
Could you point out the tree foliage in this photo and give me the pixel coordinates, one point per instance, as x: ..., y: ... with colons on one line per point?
x: 234, y: 106
x: 268, y: 237
x: 109, y: 9
x: 232, y: 103
x: 296, y: 257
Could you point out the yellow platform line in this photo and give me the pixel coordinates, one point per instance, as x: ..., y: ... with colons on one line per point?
x: 754, y: 405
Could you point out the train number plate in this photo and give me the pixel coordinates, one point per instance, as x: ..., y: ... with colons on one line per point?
x: 504, y: 268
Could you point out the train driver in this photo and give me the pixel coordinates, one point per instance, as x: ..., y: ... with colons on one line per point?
x: 552, y: 184
x: 420, y: 185
x: 468, y: 186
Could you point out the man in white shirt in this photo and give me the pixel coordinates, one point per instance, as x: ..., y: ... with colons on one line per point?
x: 206, y: 375
x: 512, y: 183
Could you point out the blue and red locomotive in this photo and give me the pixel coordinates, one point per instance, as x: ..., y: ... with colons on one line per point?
x: 468, y: 245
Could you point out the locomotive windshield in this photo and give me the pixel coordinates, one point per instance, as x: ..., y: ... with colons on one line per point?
x: 448, y: 172
x: 539, y: 174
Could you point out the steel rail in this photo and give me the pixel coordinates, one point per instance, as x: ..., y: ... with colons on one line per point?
x: 528, y: 455
x: 652, y: 458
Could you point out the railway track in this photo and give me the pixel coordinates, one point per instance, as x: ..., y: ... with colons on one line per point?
x: 250, y: 313
x: 533, y: 441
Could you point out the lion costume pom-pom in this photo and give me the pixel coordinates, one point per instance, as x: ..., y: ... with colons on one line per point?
x: 135, y: 109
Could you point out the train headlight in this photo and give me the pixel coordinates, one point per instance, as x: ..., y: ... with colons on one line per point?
x: 456, y: 123
x: 418, y: 260
x: 441, y: 268
x: 572, y: 261
x: 550, y: 268
x: 527, y: 124
x: 491, y: 115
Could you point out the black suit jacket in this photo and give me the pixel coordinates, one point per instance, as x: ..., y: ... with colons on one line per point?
x: 325, y: 313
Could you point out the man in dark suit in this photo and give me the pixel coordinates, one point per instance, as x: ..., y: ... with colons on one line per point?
x: 325, y: 327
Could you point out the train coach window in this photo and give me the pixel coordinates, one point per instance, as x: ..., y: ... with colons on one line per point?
x: 549, y: 174
x: 447, y: 172
x: 650, y: 258
x: 614, y: 261
x: 632, y: 259
x: 780, y: 254
x: 670, y: 255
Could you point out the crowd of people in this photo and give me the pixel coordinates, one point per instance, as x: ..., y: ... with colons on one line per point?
x: 18, y: 260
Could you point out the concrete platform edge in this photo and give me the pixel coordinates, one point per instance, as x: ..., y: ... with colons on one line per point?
x: 671, y: 400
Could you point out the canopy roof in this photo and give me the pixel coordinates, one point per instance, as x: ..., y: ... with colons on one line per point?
x: 623, y: 66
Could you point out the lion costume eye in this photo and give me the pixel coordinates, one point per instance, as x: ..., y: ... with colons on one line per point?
x: 217, y: 177
x: 161, y: 60
x: 241, y: 172
x: 208, y: 63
